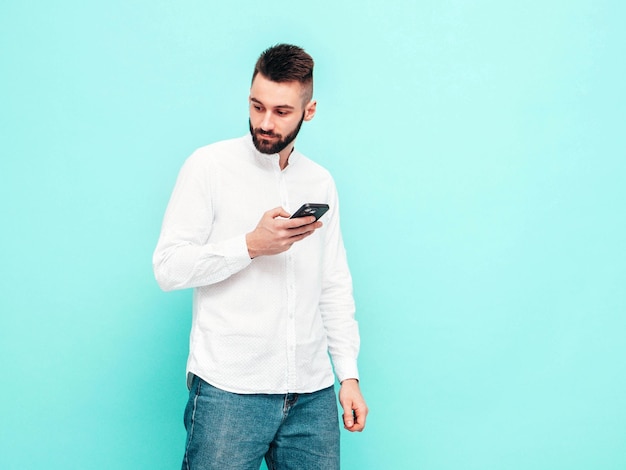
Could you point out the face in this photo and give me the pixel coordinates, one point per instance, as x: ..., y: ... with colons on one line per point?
x: 277, y: 110
x: 270, y: 142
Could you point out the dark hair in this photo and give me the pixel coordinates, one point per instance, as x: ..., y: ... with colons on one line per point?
x: 287, y: 63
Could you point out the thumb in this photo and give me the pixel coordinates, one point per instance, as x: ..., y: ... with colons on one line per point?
x: 277, y: 212
x: 348, y: 415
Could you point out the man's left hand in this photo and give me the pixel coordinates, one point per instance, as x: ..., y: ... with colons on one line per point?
x: 354, y: 407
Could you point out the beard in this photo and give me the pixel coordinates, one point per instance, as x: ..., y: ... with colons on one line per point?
x: 277, y: 144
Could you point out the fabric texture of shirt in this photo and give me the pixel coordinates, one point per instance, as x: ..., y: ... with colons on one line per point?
x: 263, y: 325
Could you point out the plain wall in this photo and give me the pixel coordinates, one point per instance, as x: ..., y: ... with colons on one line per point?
x: 478, y: 148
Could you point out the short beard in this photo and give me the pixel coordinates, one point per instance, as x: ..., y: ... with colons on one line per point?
x: 277, y: 146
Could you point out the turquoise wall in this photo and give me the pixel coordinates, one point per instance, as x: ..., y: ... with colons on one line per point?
x: 479, y: 151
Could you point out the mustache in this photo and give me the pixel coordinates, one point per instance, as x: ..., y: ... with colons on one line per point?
x: 266, y: 133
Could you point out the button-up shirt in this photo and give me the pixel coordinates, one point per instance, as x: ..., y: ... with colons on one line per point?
x: 263, y: 325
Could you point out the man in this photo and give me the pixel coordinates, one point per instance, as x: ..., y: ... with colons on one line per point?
x: 272, y: 296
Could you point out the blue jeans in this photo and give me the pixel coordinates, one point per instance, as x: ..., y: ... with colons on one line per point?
x: 232, y: 431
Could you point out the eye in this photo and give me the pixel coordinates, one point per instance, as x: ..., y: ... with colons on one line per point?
x: 280, y: 112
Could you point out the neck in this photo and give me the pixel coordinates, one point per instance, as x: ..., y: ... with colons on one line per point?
x: 284, y: 154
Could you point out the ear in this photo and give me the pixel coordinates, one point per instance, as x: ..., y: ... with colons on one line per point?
x: 309, y: 110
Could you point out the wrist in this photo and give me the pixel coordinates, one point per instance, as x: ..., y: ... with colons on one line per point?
x: 349, y: 381
x: 251, y: 251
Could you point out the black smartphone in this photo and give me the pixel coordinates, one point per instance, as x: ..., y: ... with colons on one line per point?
x: 310, y: 208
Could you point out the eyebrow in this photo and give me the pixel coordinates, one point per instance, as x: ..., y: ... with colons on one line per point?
x: 282, y: 106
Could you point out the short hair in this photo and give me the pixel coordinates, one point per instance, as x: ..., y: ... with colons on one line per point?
x: 287, y: 63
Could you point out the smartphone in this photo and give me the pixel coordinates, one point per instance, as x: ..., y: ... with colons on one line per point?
x: 310, y: 208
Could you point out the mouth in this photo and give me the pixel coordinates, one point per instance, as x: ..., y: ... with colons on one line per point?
x: 266, y: 136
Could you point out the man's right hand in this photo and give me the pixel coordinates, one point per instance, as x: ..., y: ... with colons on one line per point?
x: 276, y: 233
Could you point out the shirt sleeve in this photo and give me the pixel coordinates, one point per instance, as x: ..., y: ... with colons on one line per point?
x: 337, y: 301
x: 183, y: 257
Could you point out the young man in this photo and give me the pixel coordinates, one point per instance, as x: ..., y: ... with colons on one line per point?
x: 272, y: 296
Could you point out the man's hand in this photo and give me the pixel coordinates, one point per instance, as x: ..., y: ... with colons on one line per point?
x: 276, y: 233
x: 354, y: 407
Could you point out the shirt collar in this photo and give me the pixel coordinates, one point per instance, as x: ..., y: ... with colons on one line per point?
x: 271, y: 160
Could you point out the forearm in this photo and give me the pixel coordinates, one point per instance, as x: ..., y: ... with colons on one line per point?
x: 337, y: 303
x: 181, y: 265
x: 342, y: 334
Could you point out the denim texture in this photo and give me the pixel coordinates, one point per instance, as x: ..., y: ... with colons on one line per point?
x: 298, y: 431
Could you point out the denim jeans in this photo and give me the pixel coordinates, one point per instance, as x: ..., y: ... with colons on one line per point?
x: 232, y: 431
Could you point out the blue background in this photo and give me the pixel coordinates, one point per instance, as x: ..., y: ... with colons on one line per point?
x: 478, y: 147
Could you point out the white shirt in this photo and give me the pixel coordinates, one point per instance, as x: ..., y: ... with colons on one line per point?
x: 263, y: 325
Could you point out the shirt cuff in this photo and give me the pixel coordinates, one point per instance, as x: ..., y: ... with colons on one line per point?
x: 235, y: 250
x: 345, y: 368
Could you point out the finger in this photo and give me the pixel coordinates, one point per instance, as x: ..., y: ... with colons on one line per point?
x: 348, y: 415
x: 299, y: 236
x: 360, y: 416
x: 305, y: 228
x: 301, y: 221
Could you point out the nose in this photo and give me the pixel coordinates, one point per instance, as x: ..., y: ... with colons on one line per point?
x: 267, y: 124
